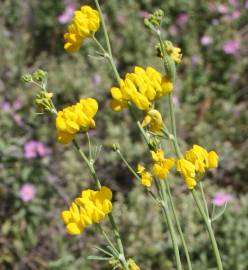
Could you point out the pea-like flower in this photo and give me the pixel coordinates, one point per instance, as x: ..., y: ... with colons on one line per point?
x: 75, y: 118
x: 154, y: 120
x: 146, y: 177
x: 187, y: 170
x: 162, y: 166
x: 88, y: 209
x: 142, y: 88
x: 85, y: 23
x: 201, y: 158
x: 197, y: 160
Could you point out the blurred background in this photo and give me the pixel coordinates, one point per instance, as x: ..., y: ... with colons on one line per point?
x: 39, y: 177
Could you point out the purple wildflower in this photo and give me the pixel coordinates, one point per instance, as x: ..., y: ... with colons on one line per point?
x: 231, y: 46
x: 27, y: 192
x: 35, y: 149
x: 67, y: 15
x: 221, y: 198
x: 206, y: 40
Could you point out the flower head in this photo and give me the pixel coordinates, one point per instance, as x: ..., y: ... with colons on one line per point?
x: 141, y: 87
x: 154, y: 120
x: 76, y: 118
x: 27, y: 192
x: 86, y: 22
x: 231, y: 47
x: 187, y: 170
x: 67, y: 15
x: 146, y: 178
x: 33, y: 149
x: 91, y: 207
x: 162, y: 166
x: 221, y: 198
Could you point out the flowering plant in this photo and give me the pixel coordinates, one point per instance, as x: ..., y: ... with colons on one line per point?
x: 138, y: 92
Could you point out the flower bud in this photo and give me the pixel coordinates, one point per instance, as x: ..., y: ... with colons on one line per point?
x: 27, y: 78
x: 115, y: 147
x: 39, y: 75
x: 43, y: 102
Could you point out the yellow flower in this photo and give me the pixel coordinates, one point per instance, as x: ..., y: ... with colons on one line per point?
x: 162, y: 166
x: 86, y: 22
x: 173, y: 52
x: 201, y: 158
x: 187, y: 170
x: 158, y: 155
x: 146, y: 178
x: 90, y: 208
x: 154, y: 120
x: 213, y: 159
x: 75, y: 118
x: 141, y: 87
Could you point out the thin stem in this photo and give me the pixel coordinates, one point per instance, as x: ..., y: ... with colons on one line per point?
x: 128, y: 165
x: 204, y: 198
x: 108, y: 239
x: 179, y: 226
x: 89, y: 143
x: 109, y: 55
x: 170, y: 225
x: 89, y: 164
x: 209, y: 229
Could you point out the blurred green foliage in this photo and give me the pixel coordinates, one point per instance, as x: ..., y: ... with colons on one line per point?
x: 211, y: 110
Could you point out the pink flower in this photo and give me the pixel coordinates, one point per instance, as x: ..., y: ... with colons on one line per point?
x: 35, y: 149
x: 231, y: 46
x: 206, y: 40
x: 182, y: 19
x: 67, y: 15
x: 221, y: 198
x: 222, y: 9
x: 236, y: 14
x: 234, y: 3
x: 246, y: 4
x: 27, y: 192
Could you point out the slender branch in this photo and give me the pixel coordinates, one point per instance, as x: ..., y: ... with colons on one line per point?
x: 127, y: 164
x: 204, y: 198
x: 209, y: 229
x: 170, y: 225
x: 179, y: 226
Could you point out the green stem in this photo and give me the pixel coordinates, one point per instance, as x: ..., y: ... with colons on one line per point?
x: 169, y: 222
x: 89, y: 164
x: 109, y: 56
x: 108, y: 240
x: 204, y: 198
x: 111, y: 218
x: 179, y: 227
x: 209, y: 229
x: 127, y: 164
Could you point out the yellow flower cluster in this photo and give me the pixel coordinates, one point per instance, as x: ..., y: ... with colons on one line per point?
x: 196, y: 160
x: 146, y: 177
x: 162, y: 166
x: 85, y: 22
x: 90, y: 208
x: 75, y: 118
x: 142, y: 87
